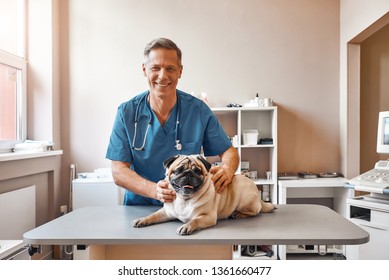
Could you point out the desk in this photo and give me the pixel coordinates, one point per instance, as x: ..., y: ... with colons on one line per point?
x: 311, y: 189
x: 110, y: 235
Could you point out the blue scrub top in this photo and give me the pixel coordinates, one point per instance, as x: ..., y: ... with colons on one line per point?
x: 198, y: 128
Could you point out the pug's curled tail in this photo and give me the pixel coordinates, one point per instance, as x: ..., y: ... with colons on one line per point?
x: 268, y: 207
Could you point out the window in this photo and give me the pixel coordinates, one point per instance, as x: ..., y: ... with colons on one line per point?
x: 13, y: 68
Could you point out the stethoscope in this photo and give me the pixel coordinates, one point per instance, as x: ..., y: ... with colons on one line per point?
x: 178, y: 145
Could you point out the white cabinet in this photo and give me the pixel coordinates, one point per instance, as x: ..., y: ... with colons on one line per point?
x: 95, y: 192
x: 371, y: 214
x: 375, y: 249
x: 261, y: 155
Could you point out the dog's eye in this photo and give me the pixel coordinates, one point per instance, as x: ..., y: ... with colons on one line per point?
x: 178, y: 170
x: 197, y: 170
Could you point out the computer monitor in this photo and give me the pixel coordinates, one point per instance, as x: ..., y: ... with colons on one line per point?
x: 383, y: 133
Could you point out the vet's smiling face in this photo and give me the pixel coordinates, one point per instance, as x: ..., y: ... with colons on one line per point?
x: 163, y: 69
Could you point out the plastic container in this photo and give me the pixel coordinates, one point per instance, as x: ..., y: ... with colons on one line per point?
x: 250, y: 137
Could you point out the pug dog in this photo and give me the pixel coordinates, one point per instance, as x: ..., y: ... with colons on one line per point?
x: 197, y: 203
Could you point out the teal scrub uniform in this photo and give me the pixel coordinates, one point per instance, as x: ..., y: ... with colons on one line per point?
x: 198, y: 131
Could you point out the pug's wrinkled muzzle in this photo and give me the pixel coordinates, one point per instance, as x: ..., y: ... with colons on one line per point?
x: 186, y: 183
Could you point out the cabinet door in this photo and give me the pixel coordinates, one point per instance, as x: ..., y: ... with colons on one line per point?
x: 375, y: 249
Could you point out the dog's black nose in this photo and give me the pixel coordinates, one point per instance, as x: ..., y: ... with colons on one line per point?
x: 189, y: 178
x: 194, y: 181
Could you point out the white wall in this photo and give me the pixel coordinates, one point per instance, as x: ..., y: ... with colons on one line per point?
x: 286, y: 50
x: 41, y: 82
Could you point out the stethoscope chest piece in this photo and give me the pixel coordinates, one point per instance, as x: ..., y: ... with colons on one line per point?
x: 178, y: 145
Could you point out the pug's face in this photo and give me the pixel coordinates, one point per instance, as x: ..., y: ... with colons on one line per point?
x: 186, y: 174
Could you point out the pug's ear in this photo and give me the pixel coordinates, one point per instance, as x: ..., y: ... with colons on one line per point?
x: 205, y: 162
x: 169, y: 161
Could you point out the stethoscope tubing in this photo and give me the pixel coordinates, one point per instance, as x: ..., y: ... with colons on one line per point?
x: 178, y: 145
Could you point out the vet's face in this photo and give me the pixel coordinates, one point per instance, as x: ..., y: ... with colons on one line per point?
x: 187, y: 174
x: 163, y: 69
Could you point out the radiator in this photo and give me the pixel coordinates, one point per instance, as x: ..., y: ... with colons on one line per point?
x: 17, y: 216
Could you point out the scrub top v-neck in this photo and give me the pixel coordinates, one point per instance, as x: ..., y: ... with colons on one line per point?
x: 162, y: 133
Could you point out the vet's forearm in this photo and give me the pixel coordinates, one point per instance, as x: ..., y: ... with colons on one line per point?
x: 125, y: 177
x: 230, y: 160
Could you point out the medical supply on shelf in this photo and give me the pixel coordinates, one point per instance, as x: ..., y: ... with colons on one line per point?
x: 267, y: 102
x: 250, y: 137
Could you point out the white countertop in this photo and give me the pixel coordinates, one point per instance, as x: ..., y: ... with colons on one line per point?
x: 309, y: 183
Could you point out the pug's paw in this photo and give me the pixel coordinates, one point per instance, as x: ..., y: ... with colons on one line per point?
x: 235, y: 215
x: 185, y: 229
x: 139, y: 223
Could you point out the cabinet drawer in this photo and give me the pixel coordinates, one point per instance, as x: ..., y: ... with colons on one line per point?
x: 379, y: 217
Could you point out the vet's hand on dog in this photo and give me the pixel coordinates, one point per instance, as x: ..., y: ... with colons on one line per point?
x: 163, y: 193
x: 221, y: 177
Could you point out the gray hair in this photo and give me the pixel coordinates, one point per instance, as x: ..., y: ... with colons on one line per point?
x: 162, y: 43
